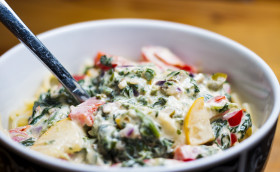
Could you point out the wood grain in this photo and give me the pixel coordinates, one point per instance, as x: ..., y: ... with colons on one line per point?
x: 255, y: 24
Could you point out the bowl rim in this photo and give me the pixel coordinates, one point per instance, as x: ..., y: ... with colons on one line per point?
x: 193, y: 165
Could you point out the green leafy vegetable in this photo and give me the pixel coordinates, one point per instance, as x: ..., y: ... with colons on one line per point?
x: 106, y: 61
x: 147, y: 127
x: 149, y: 74
x: 173, y: 73
x: 225, y: 108
x: 161, y: 101
x: 28, y: 142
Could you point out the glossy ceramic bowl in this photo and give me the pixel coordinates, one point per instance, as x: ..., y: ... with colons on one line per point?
x: 21, y: 74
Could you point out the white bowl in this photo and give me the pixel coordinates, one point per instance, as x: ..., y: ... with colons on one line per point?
x: 21, y: 74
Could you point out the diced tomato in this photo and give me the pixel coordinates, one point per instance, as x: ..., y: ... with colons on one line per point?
x: 234, y: 118
x: 218, y: 99
x: 233, y: 138
x: 186, y: 153
x: 187, y: 68
x: 164, y: 58
x: 83, y: 113
x: 19, y: 134
x: 79, y: 77
x: 116, y: 61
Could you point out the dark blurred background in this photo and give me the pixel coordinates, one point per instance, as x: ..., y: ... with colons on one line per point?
x: 253, y: 23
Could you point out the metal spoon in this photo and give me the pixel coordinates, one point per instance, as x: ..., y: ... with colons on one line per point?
x: 9, y: 18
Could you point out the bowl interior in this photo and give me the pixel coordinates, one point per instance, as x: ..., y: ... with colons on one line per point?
x: 21, y: 73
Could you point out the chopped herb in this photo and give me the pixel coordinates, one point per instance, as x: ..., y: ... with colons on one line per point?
x: 143, y: 91
x: 111, y: 71
x: 34, y: 120
x: 147, y: 126
x: 121, y: 73
x: 225, y: 141
x: 106, y: 61
x: 28, y: 142
x: 112, y: 77
x: 217, y: 125
x: 169, y: 83
x: 139, y: 73
x: 221, y: 132
x: 225, y: 108
x: 196, y: 89
x: 126, y: 106
x: 157, y: 114
x: 181, y: 122
x: 161, y: 101
x: 107, y: 90
x: 173, y: 73
x: 149, y: 74
x: 127, y: 73
x: 127, y: 92
x: 143, y: 100
x: 153, y: 92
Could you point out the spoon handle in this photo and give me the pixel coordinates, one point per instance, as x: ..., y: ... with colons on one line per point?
x: 21, y: 31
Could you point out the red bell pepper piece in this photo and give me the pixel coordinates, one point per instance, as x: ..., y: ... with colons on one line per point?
x: 233, y: 138
x: 234, y: 118
x: 218, y: 99
x: 79, y: 77
x: 84, y: 112
x: 186, y: 153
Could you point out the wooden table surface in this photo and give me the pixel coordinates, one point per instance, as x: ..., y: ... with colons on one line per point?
x: 253, y: 23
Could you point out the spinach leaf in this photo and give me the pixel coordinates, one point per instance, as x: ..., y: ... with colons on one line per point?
x: 37, y: 118
x: 28, y: 142
x: 147, y: 127
x: 224, y: 108
x: 161, y: 101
